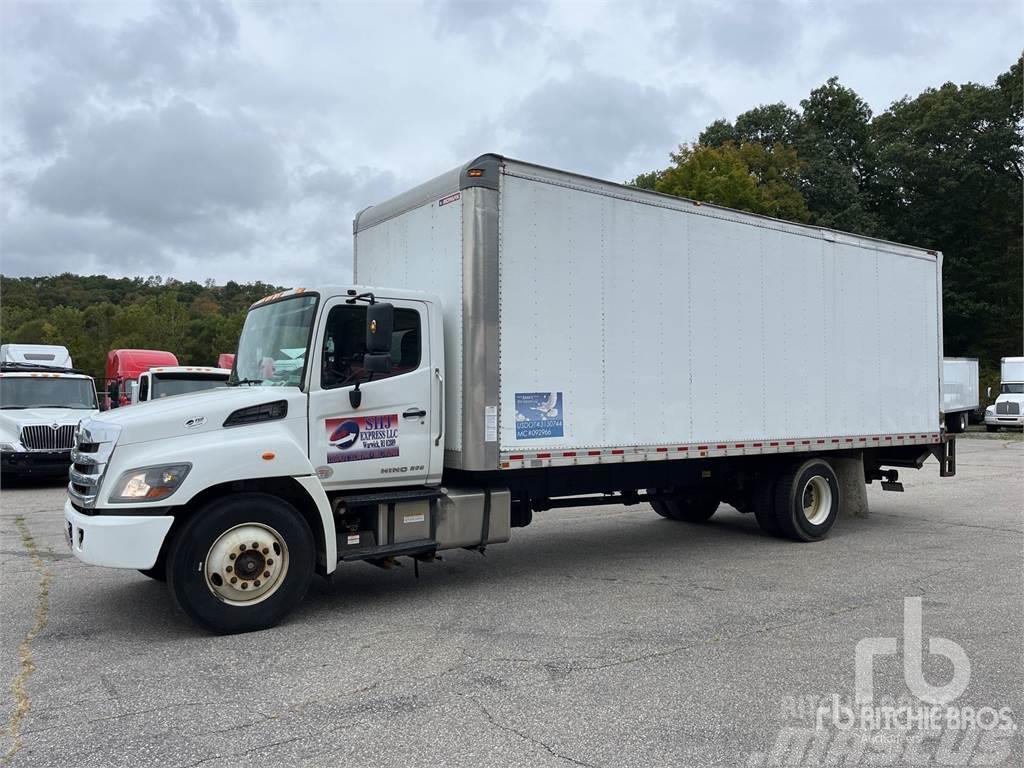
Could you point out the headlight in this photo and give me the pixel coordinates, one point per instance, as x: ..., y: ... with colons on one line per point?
x: 990, y: 409
x: 7, y: 448
x: 149, y: 483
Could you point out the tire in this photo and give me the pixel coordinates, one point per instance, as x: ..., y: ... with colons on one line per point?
x: 807, y: 501
x: 697, y: 508
x: 956, y: 422
x: 213, y: 546
x: 764, y: 503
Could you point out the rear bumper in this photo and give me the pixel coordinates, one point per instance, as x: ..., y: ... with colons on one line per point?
x: 52, y: 463
x: 116, y: 541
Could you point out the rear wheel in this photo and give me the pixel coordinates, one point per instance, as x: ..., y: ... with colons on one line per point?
x: 764, y: 503
x: 688, y: 508
x: 807, y: 500
x: 241, y: 563
x: 956, y: 422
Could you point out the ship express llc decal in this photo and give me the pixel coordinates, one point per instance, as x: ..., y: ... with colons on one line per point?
x: 360, y: 438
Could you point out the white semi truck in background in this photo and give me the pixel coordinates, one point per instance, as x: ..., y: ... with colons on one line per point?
x: 1008, y: 409
x: 170, y: 380
x: 521, y: 339
x: 42, y: 399
x: 959, y: 392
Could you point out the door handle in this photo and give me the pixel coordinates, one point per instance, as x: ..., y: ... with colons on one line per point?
x: 414, y: 413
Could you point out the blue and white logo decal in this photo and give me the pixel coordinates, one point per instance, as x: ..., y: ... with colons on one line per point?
x: 539, y: 415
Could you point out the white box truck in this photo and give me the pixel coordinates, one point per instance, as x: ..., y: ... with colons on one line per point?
x: 1008, y: 409
x: 42, y: 399
x: 959, y: 391
x: 520, y: 339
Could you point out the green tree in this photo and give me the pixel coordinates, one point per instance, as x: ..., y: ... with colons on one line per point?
x: 746, y: 177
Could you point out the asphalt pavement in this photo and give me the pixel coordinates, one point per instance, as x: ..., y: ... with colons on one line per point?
x: 598, y: 637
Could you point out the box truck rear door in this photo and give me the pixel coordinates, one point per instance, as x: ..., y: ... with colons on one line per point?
x: 385, y: 438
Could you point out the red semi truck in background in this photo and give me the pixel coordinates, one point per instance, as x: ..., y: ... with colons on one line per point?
x: 124, y: 366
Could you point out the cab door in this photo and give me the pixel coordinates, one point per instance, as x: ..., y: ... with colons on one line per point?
x: 385, y: 439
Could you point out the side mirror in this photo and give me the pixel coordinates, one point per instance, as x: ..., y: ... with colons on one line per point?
x: 380, y: 321
x: 377, y: 363
x: 988, y: 393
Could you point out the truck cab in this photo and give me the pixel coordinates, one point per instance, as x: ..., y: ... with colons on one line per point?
x: 335, y: 392
x: 1008, y: 409
x: 124, y: 367
x: 42, y: 401
x: 168, y: 381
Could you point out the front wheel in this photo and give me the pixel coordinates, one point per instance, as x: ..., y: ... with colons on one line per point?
x: 807, y: 500
x: 241, y: 563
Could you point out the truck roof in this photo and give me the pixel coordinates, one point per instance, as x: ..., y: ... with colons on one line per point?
x: 41, y: 355
x: 129, y: 363
x: 486, y: 170
x: 204, y: 369
x: 343, y: 290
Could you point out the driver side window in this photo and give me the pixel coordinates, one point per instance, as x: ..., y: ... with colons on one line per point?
x: 345, y: 345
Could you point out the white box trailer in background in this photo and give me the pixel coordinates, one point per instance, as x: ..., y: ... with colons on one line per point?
x: 523, y: 339
x: 959, y: 391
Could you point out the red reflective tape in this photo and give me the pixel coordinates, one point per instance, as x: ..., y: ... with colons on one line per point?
x: 593, y: 453
x: 663, y: 450
x: 504, y: 465
x: 805, y: 442
x: 875, y: 438
x: 835, y: 439
x: 516, y: 457
x: 849, y: 439
x: 568, y: 453
x: 683, y: 448
x: 862, y: 439
x: 542, y: 456
x: 821, y: 442
x: 702, y: 447
x: 739, y: 445
x: 790, y: 442
x: 757, y: 445
x: 617, y: 452
x: 721, y: 447
x: 888, y: 437
x: 773, y: 444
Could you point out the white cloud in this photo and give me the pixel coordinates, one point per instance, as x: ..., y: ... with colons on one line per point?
x: 237, y: 140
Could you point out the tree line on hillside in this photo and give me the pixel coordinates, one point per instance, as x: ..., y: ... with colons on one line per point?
x: 943, y: 171
x: 91, y: 315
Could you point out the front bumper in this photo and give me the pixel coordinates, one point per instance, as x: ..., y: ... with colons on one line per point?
x: 999, y: 420
x: 52, y: 463
x: 116, y: 541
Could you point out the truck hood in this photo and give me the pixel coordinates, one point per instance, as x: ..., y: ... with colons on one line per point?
x: 13, y: 419
x: 195, y: 413
x: 1011, y: 398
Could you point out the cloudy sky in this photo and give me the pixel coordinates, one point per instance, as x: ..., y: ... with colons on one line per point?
x: 230, y: 140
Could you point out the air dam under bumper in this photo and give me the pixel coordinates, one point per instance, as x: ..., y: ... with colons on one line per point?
x: 50, y: 463
x: 116, y: 541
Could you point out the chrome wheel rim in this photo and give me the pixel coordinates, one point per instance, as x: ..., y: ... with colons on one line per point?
x: 246, y: 564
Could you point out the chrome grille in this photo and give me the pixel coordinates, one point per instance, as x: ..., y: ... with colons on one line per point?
x: 94, y: 444
x: 43, y: 437
x: 1007, y: 408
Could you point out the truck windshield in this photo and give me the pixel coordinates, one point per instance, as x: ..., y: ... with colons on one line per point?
x: 39, y: 392
x: 274, y: 342
x: 168, y: 384
x: 1013, y: 389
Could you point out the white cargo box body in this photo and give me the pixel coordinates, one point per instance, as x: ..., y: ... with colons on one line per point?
x: 587, y: 321
x: 959, y: 384
x: 1011, y: 369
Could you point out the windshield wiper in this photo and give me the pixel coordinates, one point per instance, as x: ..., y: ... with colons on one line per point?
x: 239, y: 382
